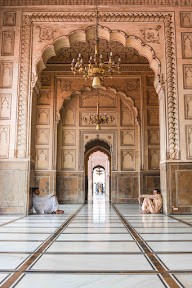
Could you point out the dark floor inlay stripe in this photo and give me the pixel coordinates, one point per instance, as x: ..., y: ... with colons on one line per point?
x: 164, y: 273
x: 34, y: 256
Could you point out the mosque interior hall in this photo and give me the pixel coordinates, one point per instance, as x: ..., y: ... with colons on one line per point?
x: 96, y: 121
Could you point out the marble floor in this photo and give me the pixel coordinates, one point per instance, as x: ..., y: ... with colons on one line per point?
x: 96, y: 245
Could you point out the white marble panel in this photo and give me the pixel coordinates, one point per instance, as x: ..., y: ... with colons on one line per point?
x: 94, y: 247
x: 89, y: 281
x: 159, y: 225
x: 171, y: 246
x: 31, y: 225
x: 19, y: 246
x: 177, y: 261
x: 94, y: 237
x: 75, y: 224
x: 27, y: 230
x: 184, y: 279
x: 23, y: 236
x: 92, y: 262
x: 3, y: 276
x: 12, y: 261
x: 95, y: 230
x: 164, y: 230
x: 164, y: 236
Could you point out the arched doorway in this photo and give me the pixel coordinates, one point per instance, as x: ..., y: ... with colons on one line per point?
x: 125, y: 153
x: 98, y: 149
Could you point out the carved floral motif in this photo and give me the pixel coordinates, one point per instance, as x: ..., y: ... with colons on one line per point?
x: 9, y: 18
x: 151, y: 35
x: 45, y: 33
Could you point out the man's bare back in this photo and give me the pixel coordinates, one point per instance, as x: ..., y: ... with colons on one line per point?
x: 149, y: 206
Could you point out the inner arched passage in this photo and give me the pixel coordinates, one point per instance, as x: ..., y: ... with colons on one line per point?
x: 97, y: 155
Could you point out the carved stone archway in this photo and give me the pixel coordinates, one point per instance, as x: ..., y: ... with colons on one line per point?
x: 29, y: 76
x: 91, y: 147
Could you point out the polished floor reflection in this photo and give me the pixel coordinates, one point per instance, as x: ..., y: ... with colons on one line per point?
x: 96, y: 245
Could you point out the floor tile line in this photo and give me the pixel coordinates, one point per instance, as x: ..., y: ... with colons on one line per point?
x: 33, y: 257
x: 180, y: 220
x: 157, y: 264
x: 94, y: 271
x: 12, y: 221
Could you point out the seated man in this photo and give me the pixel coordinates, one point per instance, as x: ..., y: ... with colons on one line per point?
x: 45, y: 204
x: 151, y: 206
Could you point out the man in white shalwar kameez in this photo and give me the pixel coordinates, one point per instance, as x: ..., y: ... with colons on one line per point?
x: 45, y: 204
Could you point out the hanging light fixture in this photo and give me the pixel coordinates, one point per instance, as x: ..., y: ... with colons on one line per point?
x: 98, y: 118
x: 99, y: 171
x: 96, y: 69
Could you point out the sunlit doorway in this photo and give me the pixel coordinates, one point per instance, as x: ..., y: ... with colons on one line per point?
x: 98, y: 176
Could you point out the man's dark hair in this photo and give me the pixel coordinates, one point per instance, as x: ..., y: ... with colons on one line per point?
x: 34, y: 189
x: 158, y: 191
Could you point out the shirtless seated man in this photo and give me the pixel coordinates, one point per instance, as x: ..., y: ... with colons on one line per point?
x: 149, y: 206
x: 45, y: 204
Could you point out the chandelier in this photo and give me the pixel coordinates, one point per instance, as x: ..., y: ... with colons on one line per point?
x: 96, y: 69
x: 98, y: 118
x: 99, y: 171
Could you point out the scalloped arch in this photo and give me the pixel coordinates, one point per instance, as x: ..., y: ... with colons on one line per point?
x: 105, y: 33
x: 111, y: 90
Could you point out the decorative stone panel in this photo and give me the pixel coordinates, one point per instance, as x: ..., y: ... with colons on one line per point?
x: 186, y: 19
x: 9, y: 18
x: 153, y: 117
x: 44, y: 97
x: 186, y: 45
x: 150, y: 81
x: 69, y: 114
x: 68, y: 137
x: 68, y: 159
x: 188, y: 106
x: 154, y: 158
x: 184, y: 188
x: 127, y: 187
x: 8, y: 41
x: 43, y: 116
x: 153, y: 137
x: 4, y: 142
x: 42, y: 136
x: 152, y: 97
x: 187, y: 76
x: 42, y: 158
x: 46, y: 80
x: 127, y: 117
x: 189, y: 141
x: 5, y: 106
x: 128, y: 160
x: 128, y: 137
x: 68, y: 187
x: 6, y: 74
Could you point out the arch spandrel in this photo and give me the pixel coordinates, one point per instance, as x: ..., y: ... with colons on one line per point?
x: 65, y: 41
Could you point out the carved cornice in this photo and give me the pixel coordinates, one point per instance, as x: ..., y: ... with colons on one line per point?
x: 166, y: 18
x: 153, y: 3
